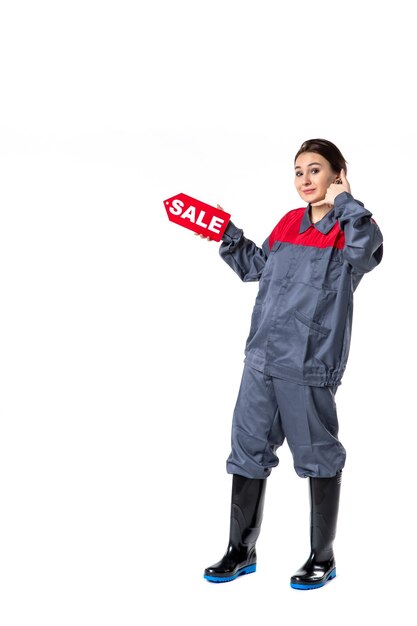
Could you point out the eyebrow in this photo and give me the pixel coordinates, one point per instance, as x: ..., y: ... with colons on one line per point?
x: 297, y: 167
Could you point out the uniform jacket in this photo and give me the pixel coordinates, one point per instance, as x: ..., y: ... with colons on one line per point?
x: 302, y: 319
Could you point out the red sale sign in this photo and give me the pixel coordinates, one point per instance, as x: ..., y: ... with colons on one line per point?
x: 197, y: 216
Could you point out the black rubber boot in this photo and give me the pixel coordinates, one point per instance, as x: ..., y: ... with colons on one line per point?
x: 248, y: 495
x: 320, y: 566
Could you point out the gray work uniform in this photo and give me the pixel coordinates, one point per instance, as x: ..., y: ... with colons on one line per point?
x: 300, y: 334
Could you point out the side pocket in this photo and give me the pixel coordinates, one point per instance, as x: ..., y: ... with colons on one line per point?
x: 311, y: 324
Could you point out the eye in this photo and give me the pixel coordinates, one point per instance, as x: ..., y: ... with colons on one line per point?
x: 298, y: 173
x: 315, y: 170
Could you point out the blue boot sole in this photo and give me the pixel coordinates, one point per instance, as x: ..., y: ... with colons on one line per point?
x: 249, y: 569
x: 329, y: 576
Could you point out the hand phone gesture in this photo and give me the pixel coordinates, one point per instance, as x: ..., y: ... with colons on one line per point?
x: 336, y: 188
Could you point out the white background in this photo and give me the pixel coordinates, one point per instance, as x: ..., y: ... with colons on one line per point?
x: 122, y: 335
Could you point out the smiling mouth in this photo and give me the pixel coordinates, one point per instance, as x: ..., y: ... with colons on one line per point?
x: 308, y: 190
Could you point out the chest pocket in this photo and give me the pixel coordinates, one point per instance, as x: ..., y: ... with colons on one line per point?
x: 281, y: 260
x: 327, y: 267
x: 266, y: 274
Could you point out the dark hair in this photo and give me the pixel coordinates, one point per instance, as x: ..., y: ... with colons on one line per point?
x: 326, y: 149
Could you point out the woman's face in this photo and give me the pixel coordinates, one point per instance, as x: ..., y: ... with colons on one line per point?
x: 313, y: 176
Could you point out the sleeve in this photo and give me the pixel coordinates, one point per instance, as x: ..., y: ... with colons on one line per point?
x: 363, y: 238
x: 243, y: 256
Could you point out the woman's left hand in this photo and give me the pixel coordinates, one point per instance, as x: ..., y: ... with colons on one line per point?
x: 334, y: 190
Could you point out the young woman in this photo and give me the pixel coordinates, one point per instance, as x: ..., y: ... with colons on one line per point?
x: 296, y: 354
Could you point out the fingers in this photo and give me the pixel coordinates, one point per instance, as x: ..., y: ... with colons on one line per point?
x: 203, y: 237
x: 321, y: 202
x: 345, y: 181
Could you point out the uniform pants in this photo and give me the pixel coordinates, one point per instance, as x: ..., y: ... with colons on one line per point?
x: 270, y: 410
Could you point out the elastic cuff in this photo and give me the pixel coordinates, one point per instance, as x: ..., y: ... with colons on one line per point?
x: 232, y: 233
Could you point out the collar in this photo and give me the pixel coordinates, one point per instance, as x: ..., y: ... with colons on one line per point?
x: 324, y: 225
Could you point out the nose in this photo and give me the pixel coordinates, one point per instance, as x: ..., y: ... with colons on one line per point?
x: 306, y: 179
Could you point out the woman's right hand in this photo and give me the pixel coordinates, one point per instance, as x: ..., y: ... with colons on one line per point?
x: 204, y: 236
